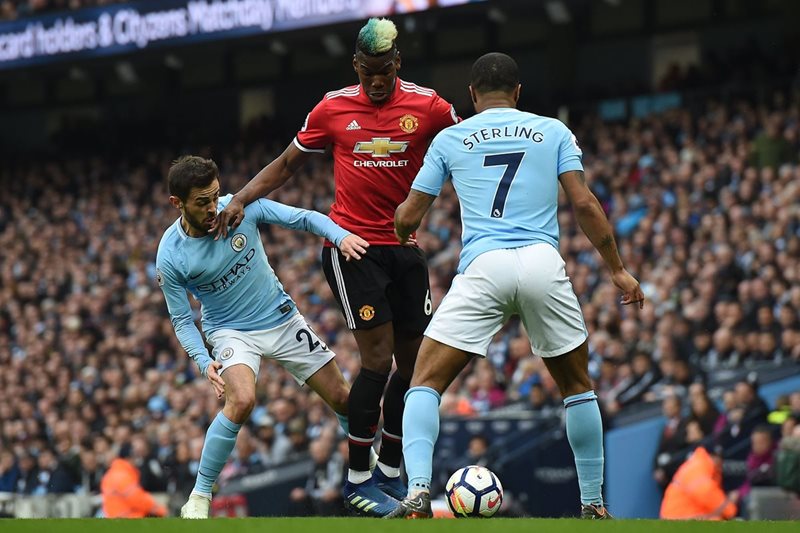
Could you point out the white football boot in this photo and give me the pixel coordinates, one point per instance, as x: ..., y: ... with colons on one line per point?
x: 196, y: 508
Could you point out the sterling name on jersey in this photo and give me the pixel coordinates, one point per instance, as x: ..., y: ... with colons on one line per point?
x: 231, y: 277
x: 377, y: 151
x: 504, y: 165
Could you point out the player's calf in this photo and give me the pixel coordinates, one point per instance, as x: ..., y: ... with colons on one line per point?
x: 438, y: 365
x: 364, y: 413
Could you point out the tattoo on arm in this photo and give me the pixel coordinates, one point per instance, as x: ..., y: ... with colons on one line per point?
x: 608, y: 249
x: 607, y: 243
x: 581, y: 177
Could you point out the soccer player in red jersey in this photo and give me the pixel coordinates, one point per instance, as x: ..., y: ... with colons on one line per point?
x: 379, y: 131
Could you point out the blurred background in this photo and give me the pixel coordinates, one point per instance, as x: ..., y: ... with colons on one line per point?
x: 688, y: 112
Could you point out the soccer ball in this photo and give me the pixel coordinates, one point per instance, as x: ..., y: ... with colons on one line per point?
x: 474, y: 491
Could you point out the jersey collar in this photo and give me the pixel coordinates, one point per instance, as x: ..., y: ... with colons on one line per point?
x: 181, y: 232
x: 499, y: 109
x: 363, y: 94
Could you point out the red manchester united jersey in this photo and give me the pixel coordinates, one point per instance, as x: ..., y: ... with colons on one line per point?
x: 377, y: 151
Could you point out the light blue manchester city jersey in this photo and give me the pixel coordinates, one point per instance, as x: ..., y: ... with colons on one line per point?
x: 231, y: 277
x: 504, y: 164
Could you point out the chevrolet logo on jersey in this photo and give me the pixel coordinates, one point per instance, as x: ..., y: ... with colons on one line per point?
x: 380, y: 147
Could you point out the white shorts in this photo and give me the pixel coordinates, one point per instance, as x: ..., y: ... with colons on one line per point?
x: 293, y: 344
x: 530, y: 282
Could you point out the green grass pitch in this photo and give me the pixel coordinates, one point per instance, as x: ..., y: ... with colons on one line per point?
x: 356, y: 525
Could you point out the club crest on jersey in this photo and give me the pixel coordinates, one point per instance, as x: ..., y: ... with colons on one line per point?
x: 226, y: 354
x: 380, y: 147
x: 367, y: 312
x: 238, y: 242
x: 409, y: 123
x: 159, y: 277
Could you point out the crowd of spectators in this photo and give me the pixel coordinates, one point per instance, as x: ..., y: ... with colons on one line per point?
x: 743, y: 415
x: 743, y: 430
x: 706, y: 207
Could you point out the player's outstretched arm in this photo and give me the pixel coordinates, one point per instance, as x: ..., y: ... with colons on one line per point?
x: 595, y: 225
x: 266, y: 211
x: 408, y: 215
x: 267, y: 180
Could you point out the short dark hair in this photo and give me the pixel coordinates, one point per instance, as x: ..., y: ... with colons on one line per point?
x: 188, y: 172
x: 764, y: 428
x: 494, y: 72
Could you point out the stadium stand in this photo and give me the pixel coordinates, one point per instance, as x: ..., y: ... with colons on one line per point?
x: 705, y: 205
x: 700, y: 179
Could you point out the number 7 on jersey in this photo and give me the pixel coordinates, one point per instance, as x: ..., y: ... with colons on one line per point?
x: 511, y: 161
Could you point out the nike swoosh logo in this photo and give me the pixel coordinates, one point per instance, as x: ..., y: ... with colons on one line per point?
x: 197, y: 275
x: 491, y: 503
x: 414, y: 505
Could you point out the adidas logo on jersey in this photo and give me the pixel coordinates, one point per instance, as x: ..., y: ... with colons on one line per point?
x: 353, y: 126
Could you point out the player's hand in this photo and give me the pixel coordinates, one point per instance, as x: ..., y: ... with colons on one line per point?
x: 216, y: 380
x: 353, y: 247
x: 631, y: 291
x: 405, y: 241
x: 232, y: 216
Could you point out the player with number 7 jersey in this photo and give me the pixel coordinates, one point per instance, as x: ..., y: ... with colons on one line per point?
x: 506, y: 166
x: 502, y: 162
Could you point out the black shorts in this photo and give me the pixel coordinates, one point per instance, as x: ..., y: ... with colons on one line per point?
x: 388, y: 284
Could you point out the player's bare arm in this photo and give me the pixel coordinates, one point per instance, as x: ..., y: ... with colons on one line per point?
x: 408, y: 215
x: 267, y: 180
x: 595, y: 225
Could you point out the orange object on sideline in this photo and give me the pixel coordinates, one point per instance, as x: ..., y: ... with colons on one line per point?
x: 695, y: 492
x: 123, y: 497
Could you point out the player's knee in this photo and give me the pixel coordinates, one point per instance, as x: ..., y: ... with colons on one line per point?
x: 376, y: 349
x: 420, y: 378
x: 427, y: 377
x: 377, y: 361
x: 426, y: 373
x: 242, y: 405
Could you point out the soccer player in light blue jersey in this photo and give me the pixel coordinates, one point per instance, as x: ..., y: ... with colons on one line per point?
x: 506, y: 166
x: 246, y: 314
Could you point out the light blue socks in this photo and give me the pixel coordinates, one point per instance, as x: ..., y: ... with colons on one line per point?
x: 585, y: 435
x: 420, y: 431
x: 220, y: 439
x: 584, y: 432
